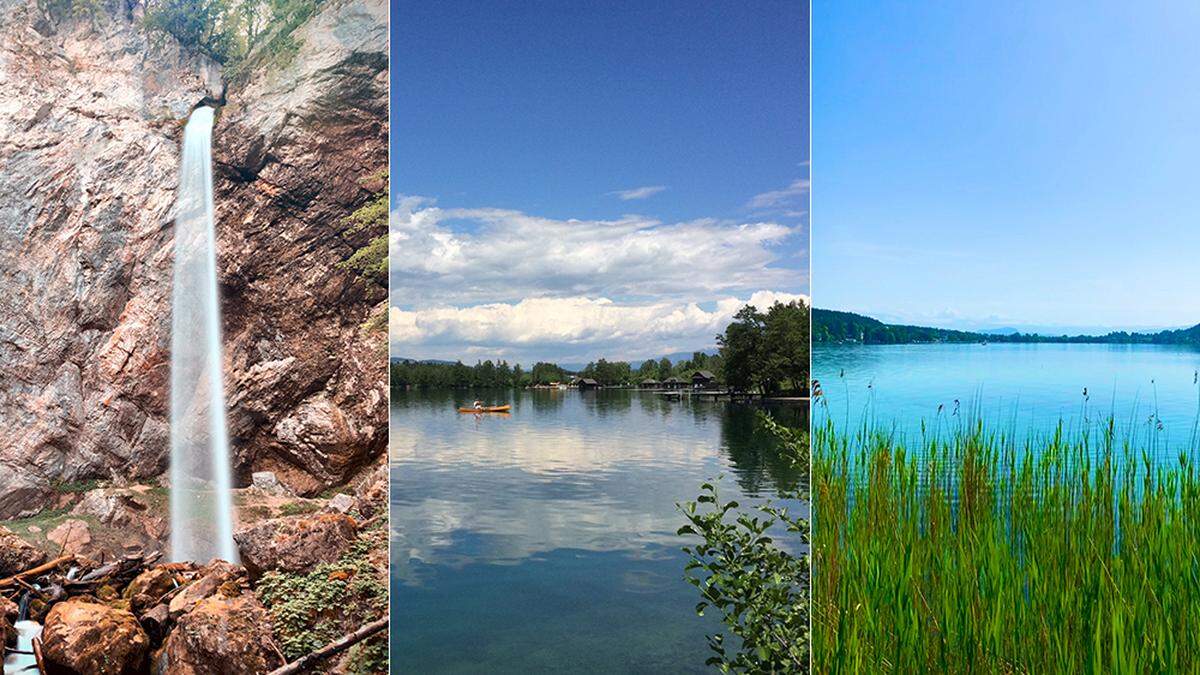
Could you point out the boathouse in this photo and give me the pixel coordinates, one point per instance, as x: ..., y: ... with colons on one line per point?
x: 703, y: 379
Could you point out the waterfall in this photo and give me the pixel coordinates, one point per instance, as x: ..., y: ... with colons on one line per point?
x: 201, y: 501
x: 20, y: 659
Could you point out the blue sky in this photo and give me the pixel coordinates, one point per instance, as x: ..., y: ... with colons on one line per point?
x: 1007, y: 164
x: 575, y: 180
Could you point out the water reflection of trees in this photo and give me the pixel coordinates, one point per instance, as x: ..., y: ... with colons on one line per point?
x: 759, y: 463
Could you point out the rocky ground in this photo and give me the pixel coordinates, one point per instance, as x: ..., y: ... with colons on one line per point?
x: 313, y: 570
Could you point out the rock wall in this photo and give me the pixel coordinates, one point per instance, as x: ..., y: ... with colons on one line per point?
x: 90, y: 129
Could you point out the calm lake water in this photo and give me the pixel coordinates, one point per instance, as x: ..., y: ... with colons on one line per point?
x: 1023, y: 388
x: 545, y: 541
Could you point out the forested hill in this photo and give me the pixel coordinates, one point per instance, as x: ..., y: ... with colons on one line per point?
x: 833, y: 327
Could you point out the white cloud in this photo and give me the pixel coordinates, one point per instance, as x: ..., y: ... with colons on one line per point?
x: 567, y: 328
x: 468, y: 256
x: 779, y: 198
x: 638, y: 193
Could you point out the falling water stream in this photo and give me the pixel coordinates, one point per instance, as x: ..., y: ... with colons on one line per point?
x: 201, y: 502
x: 20, y: 659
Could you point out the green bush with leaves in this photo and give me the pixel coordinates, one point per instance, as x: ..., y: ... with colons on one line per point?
x: 760, y: 588
x: 370, y: 261
x: 311, y: 610
x: 229, y: 31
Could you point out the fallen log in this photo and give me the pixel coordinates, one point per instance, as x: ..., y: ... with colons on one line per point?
x: 304, y: 663
x: 35, y: 571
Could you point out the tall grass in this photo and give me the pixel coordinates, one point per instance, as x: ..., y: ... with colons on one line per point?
x: 973, y: 551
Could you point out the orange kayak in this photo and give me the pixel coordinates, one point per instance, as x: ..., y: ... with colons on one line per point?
x: 489, y: 409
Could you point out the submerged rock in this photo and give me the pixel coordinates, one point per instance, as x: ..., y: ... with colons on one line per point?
x: 295, y: 543
x: 87, y: 637
x: 16, y: 554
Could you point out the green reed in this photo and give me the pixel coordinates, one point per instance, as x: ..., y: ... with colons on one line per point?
x: 972, y: 551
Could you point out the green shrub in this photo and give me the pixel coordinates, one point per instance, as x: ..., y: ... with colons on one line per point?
x: 760, y: 588
x: 371, y: 260
x: 311, y: 610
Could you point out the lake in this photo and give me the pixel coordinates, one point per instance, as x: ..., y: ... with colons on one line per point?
x: 1025, y: 388
x: 545, y: 541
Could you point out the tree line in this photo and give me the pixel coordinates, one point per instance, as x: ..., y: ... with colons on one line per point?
x: 767, y: 352
x: 490, y: 374
x: 833, y: 327
x: 760, y: 352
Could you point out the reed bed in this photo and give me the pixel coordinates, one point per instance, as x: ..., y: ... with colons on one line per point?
x: 972, y: 551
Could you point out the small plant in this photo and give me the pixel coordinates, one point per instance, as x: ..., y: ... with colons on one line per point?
x: 311, y: 610
x: 369, y: 657
x: 370, y: 261
x: 760, y: 588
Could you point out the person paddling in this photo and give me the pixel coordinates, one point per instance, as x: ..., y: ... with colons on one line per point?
x: 479, y: 405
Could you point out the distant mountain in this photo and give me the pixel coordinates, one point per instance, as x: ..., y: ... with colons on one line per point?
x: 405, y: 359
x: 571, y: 367
x: 834, y: 327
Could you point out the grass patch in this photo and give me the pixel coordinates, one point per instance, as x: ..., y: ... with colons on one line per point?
x: 976, y: 551
x: 73, y: 486
x: 298, y: 508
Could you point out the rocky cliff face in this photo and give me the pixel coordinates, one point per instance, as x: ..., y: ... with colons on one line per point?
x: 90, y: 129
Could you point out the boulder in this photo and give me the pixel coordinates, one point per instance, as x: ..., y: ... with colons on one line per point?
x: 125, y: 509
x: 9, y: 609
x: 220, y: 635
x: 87, y: 637
x: 16, y: 554
x: 72, y: 536
x: 372, y: 492
x: 215, y: 576
x: 268, y: 482
x: 148, y: 587
x: 295, y: 543
x: 342, y: 503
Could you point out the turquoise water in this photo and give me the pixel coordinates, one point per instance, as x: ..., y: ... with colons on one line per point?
x: 1148, y: 389
x: 545, y: 541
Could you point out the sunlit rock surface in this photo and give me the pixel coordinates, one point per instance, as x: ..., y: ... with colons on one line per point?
x: 90, y: 128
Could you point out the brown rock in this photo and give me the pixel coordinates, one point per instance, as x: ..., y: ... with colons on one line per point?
x: 156, y: 621
x: 372, y: 492
x: 148, y: 588
x: 295, y: 543
x: 72, y: 536
x: 85, y: 637
x: 211, y: 579
x: 127, y: 510
x: 220, y: 635
x: 16, y: 554
x: 9, y: 609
